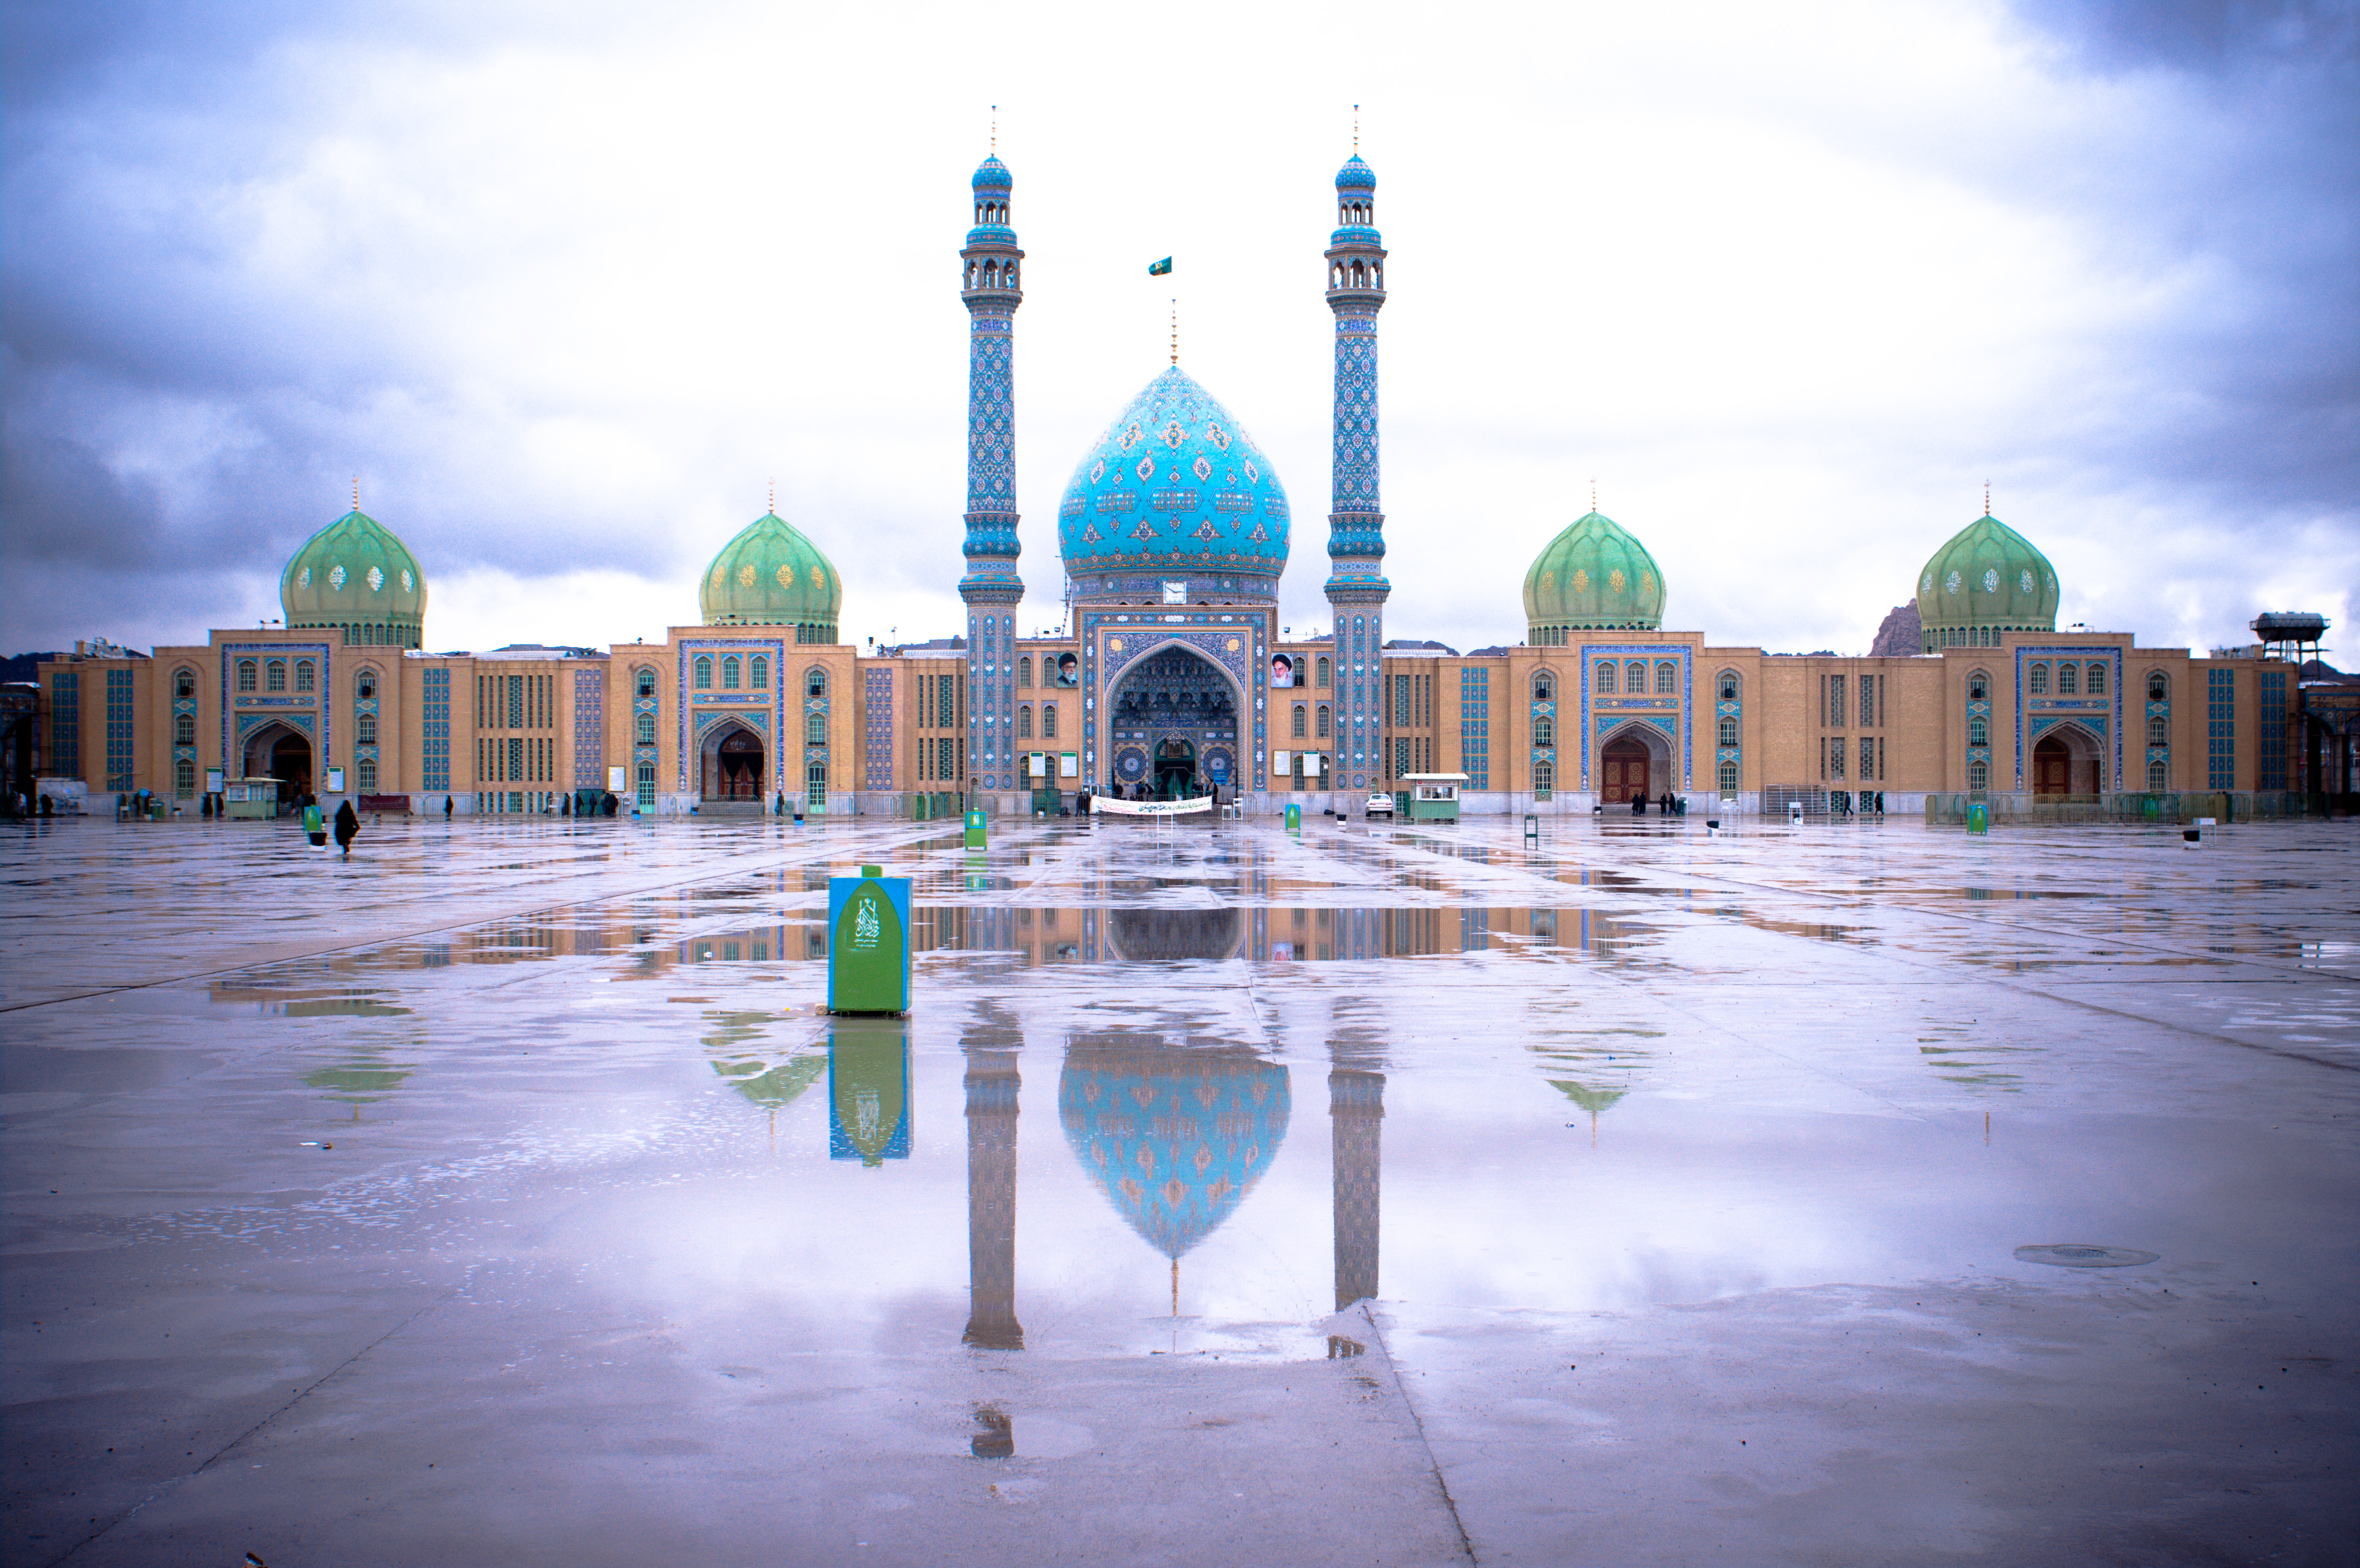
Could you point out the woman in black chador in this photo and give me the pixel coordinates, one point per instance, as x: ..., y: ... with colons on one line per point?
x: 348, y: 826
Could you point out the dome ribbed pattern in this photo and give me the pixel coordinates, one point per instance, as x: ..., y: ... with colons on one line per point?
x: 769, y: 575
x: 1987, y: 579
x: 357, y: 575
x: 1593, y: 576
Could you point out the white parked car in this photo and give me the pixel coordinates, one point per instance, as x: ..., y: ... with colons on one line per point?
x: 1381, y: 805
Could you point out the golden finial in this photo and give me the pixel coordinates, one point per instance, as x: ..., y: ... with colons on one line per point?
x: 1356, y: 130
x: 774, y: 498
x: 1593, y: 495
x: 995, y: 130
x: 1175, y: 332
x: 1987, y: 497
x: 356, y: 492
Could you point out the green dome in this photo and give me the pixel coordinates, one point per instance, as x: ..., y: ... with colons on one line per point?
x: 1988, y: 579
x: 353, y: 574
x: 1593, y: 576
x: 771, y: 576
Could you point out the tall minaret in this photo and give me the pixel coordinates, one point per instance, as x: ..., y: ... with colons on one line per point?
x: 1357, y: 588
x: 988, y: 282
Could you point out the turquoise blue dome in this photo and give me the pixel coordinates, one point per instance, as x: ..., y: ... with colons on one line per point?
x: 1356, y: 176
x: 992, y: 175
x: 1173, y: 485
x: 1175, y: 1137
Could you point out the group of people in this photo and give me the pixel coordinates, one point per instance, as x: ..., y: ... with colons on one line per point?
x: 1668, y: 803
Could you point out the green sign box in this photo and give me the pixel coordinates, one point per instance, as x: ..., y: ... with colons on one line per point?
x: 869, y: 942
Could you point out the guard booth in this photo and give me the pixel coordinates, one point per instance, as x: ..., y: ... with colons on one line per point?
x: 250, y: 797
x: 1434, y: 797
x: 869, y: 942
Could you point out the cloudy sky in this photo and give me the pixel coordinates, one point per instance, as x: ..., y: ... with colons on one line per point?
x: 569, y: 286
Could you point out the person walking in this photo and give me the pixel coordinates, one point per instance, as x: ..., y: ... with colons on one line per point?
x: 315, y: 828
x: 348, y: 828
x: 447, y: 808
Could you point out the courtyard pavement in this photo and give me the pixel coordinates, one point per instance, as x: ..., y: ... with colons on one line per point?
x: 1636, y: 1195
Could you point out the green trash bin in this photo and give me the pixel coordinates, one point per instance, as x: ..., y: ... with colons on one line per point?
x: 1978, y: 817
x: 975, y: 834
x: 869, y: 943
x: 1294, y: 817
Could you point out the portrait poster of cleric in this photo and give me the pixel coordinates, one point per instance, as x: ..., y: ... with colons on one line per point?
x: 1069, y: 670
x: 1281, y: 671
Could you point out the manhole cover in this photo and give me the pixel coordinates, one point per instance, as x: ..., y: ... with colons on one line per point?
x: 2081, y: 1255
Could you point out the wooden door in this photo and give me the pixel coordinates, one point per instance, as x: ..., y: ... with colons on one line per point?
x: 1622, y: 772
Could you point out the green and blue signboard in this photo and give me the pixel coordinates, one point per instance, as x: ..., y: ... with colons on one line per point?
x: 869, y: 942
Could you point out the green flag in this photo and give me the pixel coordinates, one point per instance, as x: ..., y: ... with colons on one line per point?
x: 1158, y: 268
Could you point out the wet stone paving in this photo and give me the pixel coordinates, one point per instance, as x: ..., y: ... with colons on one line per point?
x: 1847, y: 1193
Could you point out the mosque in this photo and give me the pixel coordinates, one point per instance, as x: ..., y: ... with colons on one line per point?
x: 1171, y: 672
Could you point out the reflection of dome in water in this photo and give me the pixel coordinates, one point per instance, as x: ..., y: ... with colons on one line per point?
x: 1175, y: 1137
x: 1149, y: 934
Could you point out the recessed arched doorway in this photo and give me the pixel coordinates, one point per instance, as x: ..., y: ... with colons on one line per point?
x: 280, y: 751
x: 1172, y: 725
x: 1175, y: 767
x: 730, y: 765
x: 2067, y: 761
x: 1626, y: 770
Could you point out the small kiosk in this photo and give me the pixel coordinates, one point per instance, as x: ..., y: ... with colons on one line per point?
x: 1434, y: 797
x: 251, y: 797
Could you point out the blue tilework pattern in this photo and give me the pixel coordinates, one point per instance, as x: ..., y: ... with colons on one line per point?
x: 876, y: 729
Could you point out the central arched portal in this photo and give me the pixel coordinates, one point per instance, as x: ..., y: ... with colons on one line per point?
x: 1634, y: 763
x: 2068, y: 760
x: 1172, y: 727
x: 731, y: 768
x: 278, y: 751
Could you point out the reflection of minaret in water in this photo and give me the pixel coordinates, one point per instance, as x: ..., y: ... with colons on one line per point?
x: 1356, y: 1107
x: 992, y: 1082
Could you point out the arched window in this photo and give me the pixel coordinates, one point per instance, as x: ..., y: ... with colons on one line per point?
x: 307, y: 674
x: 2155, y: 771
x: 1667, y: 679
x: 366, y: 769
x: 1978, y: 731
x: 364, y: 729
x: 184, y: 682
x: 757, y: 672
x: 1635, y: 676
x: 1321, y: 668
x: 2159, y: 731
x: 1048, y: 721
x: 1544, y: 730
x: 1978, y: 687
x: 1728, y: 686
x: 1024, y: 722
x: 2158, y: 688
x: 2037, y: 682
x: 646, y: 730
x: 245, y: 674
x: 1544, y: 777
x: 1979, y: 776
x: 184, y: 776
x: 703, y: 672
x: 184, y: 729
x: 730, y: 671
x: 814, y: 682
x: 2097, y: 683
x: 646, y: 684
x: 1301, y: 722
x: 1728, y: 729
x: 815, y: 729
x: 2067, y: 685
x: 1025, y: 673
x: 1606, y: 676
x: 274, y: 676
x: 365, y: 684
x: 1544, y: 687
x: 815, y: 786
x: 1324, y: 720
x: 1729, y: 775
